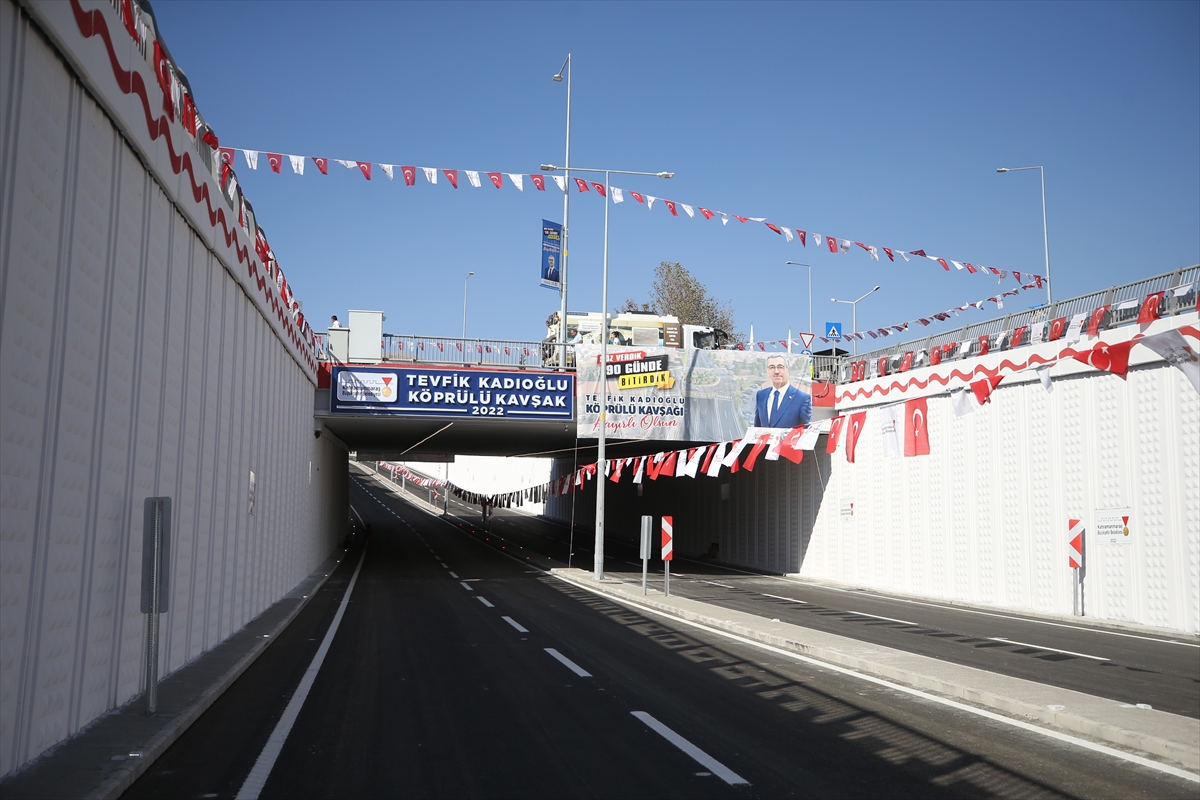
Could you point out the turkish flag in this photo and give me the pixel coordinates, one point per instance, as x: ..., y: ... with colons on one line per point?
x: 774, y: 228
x: 707, y: 214
x: 740, y: 219
x: 942, y: 261
x: 835, y: 433
x: 275, y: 160
x: 410, y: 175
x: 789, y: 446
x: 906, y: 362
x: 1149, y: 310
x: 582, y: 184
x: 539, y: 181
x: 671, y: 207
x: 1057, y: 328
x: 599, y: 187
x: 759, y: 446
x: 802, y: 236
x: 919, y: 253
x: 857, y: 421
x: 888, y: 250
x: 1097, y: 317
x: 227, y: 155
x: 452, y: 176
x: 637, y: 196
x: 1017, y: 335
x: 829, y: 240
x: 1112, y: 358
x: 365, y: 166
x: 322, y: 164
x: 496, y: 178
x: 935, y: 356
x: 983, y: 388
x: 916, y: 432
x: 984, y: 344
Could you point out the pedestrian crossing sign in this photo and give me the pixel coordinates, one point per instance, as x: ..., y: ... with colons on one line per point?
x: 833, y: 330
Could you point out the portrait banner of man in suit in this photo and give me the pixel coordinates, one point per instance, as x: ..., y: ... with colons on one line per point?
x: 781, y: 403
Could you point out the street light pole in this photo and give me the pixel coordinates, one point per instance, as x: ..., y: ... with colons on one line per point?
x: 798, y: 264
x: 1045, y: 233
x: 469, y: 274
x: 562, y: 269
x: 854, y: 313
x: 601, y: 438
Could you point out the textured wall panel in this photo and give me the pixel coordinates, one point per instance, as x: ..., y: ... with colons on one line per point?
x: 132, y: 364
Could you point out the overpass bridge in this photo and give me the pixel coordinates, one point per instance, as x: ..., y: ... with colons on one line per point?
x: 151, y: 346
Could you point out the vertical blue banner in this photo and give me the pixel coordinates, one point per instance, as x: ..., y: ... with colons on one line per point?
x: 551, y: 255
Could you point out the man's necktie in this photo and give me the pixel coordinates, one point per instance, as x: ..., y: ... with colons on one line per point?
x: 774, y: 408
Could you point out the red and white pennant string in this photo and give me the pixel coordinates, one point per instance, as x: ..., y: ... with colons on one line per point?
x: 410, y: 174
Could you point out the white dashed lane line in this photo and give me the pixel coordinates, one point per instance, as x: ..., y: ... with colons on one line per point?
x: 520, y: 628
x: 699, y: 756
x: 789, y: 599
x: 484, y: 600
x: 568, y: 663
x: 466, y: 586
x: 453, y: 574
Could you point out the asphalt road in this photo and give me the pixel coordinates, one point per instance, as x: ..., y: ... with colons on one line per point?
x: 1125, y: 666
x: 456, y: 672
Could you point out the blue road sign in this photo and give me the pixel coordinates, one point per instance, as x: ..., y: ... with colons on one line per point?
x: 833, y: 330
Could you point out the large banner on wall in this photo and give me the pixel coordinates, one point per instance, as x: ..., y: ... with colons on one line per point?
x: 428, y: 392
x: 673, y: 394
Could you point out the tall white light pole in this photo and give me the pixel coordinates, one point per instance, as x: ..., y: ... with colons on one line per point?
x: 562, y: 267
x: 1045, y: 235
x: 601, y: 439
x: 469, y: 274
x: 854, y: 313
x: 798, y: 264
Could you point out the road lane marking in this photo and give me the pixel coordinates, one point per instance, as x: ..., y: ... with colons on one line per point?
x: 360, y: 519
x: 789, y: 599
x: 568, y: 663
x: 699, y: 756
x: 520, y: 628
x: 876, y: 616
x: 453, y: 574
x: 714, y: 583
x: 484, y: 600
x: 466, y: 586
x: 253, y: 785
x: 1043, y: 647
x: 1016, y: 723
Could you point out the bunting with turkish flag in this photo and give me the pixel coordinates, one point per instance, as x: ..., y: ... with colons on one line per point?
x: 835, y: 433
x: 855, y: 426
x: 1112, y: 358
x: 1149, y: 310
x: 916, y: 429
x: 1097, y: 317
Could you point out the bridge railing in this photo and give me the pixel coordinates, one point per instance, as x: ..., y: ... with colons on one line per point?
x: 413, y: 349
x: 1124, y: 302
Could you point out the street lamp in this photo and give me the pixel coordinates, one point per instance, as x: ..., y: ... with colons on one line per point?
x: 854, y: 319
x: 797, y: 264
x: 1045, y: 236
x: 562, y: 267
x: 600, y: 441
x: 469, y: 274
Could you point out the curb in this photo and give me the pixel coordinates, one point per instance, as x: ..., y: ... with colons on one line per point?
x: 1180, y: 752
x: 123, y: 777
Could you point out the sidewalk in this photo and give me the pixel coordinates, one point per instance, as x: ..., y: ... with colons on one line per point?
x: 106, y: 757
x: 1169, y: 736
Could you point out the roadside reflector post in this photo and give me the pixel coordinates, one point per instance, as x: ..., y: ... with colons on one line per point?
x: 647, y: 525
x: 156, y: 583
x: 668, y: 551
x: 1075, y: 561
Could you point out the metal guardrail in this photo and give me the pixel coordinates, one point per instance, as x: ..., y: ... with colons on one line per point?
x: 1125, y: 301
x: 413, y: 349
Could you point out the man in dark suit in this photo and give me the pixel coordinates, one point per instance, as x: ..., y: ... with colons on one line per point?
x: 781, y: 405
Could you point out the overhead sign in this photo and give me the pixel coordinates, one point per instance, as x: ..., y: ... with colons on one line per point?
x: 551, y: 255
x: 426, y: 392
x: 833, y: 330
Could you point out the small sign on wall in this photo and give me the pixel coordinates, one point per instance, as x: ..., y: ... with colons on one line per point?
x: 847, y: 511
x: 1112, y: 526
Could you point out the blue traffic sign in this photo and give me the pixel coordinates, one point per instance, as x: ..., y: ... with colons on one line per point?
x: 833, y: 330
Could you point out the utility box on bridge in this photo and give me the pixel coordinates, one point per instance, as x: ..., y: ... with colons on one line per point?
x: 366, y: 337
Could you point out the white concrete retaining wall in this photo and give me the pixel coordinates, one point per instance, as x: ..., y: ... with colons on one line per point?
x: 138, y: 357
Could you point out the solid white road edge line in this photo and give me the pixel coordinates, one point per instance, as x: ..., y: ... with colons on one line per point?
x: 780, y: 597
x: 699, y: 756
x: 568, y: 663
x: 1016, y: 723
x: 484, y: 600
x: 1043, y: 647
x: 360, y: 519
x: 520, y: 628
x: 253, y: 785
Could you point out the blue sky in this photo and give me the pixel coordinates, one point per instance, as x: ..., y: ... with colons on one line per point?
x: 877, y: 122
